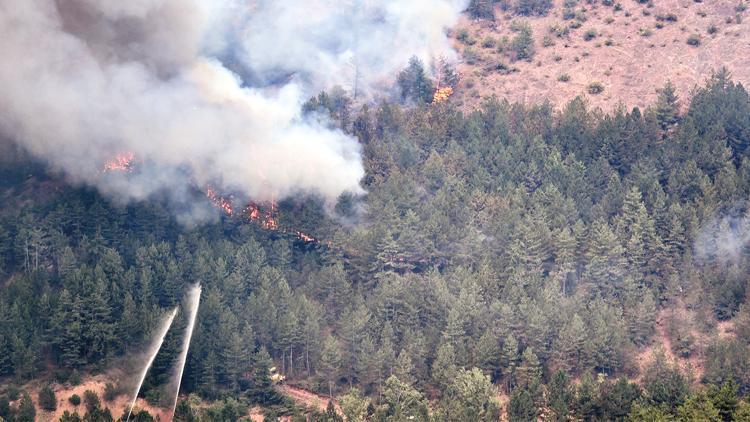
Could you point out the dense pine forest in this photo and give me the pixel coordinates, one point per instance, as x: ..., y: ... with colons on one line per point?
x: 510, y: 262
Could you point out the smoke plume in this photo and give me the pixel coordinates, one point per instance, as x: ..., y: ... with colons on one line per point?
x: 723, y: 240
x: 202, y: 92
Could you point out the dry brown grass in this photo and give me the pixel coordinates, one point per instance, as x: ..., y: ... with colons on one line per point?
x: 631, y: 68
x: 96, y: 384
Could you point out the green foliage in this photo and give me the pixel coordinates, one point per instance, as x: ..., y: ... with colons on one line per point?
x: 91, y: 400
x: 414, y: 83
x: 354, y: 405
x: 110, y: 392
x: 589, y: 35
x: 595, y: 88
x: 664, y: 383
x: 522, y: 44
x: 521, y: 407
x: 75, y: 400
x: 471, y: 396
x: 481, y: 9
x: 26, y: 410
x: 532, y: 7
x: 401, y: 402
x: 47, y: 399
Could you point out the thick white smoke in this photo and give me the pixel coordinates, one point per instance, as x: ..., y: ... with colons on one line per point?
x: 84, y: 80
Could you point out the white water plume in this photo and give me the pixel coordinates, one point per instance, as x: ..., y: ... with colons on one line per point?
x: 152, y: 352
x: 192, y: 301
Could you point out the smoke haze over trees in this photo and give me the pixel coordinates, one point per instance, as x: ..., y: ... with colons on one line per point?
x: 203, y: 92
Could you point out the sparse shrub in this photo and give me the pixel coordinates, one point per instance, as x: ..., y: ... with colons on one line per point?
x: 502, y: 44
x: 738, y: 19
x: 75, y: 378
x: 502, y: 68
x: 532, y: 7
x: 557, y: 57
x: 463, y: 36
x: 741, y: 7
x: 618, y: 7
x: 547, y: 41
x: 575, y: 25
x: 659, y: 25
x: 608, y: 2
x: 523, y: 44
x: 559, y: 30
x: 563, y: 77
x: 4, y: 408
x: 728, y: 20
x: 47, y: 399
x: 91, y: 400
x: 110, y: 392
x: 666, y: 17
x: 13, y: 392
x: 517, y: 25
x: 470, y: 55
x: 646, y: 12
x: 645, y: 32
x: 589, y: 35
x: 153, y: 397
x: 608, y: 42
x: 488, y: 42
x: 481, y: 9
x: 568, y: 14
x: 701, y: 13
x: 75, y: 400
x: 595, y: 88
x: 694, y: 40
x: 712, y: 29
x: 609, y: 20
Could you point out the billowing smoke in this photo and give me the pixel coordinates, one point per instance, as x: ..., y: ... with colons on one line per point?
x: 723, y: 240
x: 202, y: 92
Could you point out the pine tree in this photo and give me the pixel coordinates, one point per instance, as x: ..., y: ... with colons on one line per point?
x: 354, y: 406
x: 330, y: 362
x: 529, y: 371
x: 667, y: 107
x: 606, y: 263
x: 509, y: 361
x: 444, y: 366
x: 26, y: 410
x: 569, y: 346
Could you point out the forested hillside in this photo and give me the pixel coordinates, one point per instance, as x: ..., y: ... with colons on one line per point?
x: 508, y: 262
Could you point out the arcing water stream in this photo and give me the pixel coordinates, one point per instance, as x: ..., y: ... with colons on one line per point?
x: 192, y: 302
x: 153, y: 350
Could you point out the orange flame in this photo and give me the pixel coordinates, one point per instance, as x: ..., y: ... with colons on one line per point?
x: 265, y: 217
x: 442, y: 94
x: 219, y: 201
x: 120, y: 162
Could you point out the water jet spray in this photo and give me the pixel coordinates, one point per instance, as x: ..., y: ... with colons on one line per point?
x: 192, y: 301
x: 153, y: 351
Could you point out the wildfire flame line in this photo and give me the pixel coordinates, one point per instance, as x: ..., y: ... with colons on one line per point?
x: 121, y: 162
x: 265, y: 217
